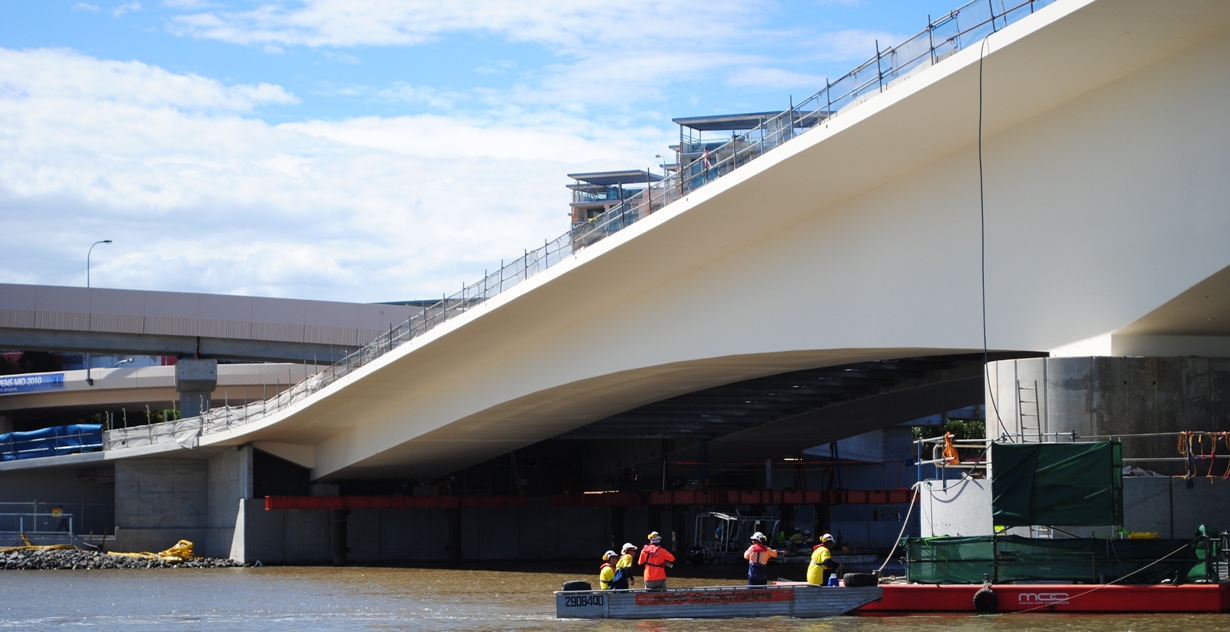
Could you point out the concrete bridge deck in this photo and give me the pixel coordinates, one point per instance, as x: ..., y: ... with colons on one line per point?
x: 1056, y: 189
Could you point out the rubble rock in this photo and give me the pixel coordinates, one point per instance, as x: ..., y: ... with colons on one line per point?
x: 76, y: 559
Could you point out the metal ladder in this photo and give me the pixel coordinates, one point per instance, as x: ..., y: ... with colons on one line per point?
x: 1029, y: 411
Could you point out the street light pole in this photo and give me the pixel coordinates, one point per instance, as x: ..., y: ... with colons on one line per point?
x: 87, y: 260
x: 90, y: 314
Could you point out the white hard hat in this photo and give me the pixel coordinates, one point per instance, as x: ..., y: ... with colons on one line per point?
x: 826, y: 538
x: 759, y: 537
x: 628, y: 546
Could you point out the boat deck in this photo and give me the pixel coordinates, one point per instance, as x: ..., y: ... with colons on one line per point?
x: 713, y: 602
x: 1075, y: 598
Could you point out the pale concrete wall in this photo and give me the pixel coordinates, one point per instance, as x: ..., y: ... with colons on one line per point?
x: 230, y: 482
x: 282, y: 537
x: 159, y: 502
x: 1102, y: 397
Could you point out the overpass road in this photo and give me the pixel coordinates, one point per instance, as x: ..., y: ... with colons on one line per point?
x: 103, y: 320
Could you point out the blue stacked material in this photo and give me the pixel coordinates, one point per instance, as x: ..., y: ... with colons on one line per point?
x: 33, y: 444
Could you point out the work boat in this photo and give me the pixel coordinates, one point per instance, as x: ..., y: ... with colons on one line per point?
x: 1078, y: 485
x: 712, y: 602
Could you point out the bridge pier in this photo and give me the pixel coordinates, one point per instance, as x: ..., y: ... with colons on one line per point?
x: 338, y: 536
x: 195, y: 381
x: 1144, y: 401
x: 454, y: 535
x: 159, y: 501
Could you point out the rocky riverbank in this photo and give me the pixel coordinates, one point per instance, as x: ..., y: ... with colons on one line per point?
x: 76, y: 559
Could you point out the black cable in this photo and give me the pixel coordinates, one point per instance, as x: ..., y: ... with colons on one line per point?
x: 982, y: 218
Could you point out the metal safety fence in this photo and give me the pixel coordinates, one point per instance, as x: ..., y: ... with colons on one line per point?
x: 36, y: 523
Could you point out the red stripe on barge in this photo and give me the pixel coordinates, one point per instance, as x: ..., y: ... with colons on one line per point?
x: 1085, y: 598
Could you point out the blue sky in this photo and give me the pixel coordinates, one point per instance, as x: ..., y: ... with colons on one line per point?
x: 365, y: 151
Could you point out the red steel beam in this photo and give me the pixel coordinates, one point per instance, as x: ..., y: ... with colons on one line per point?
x: 607, y: 499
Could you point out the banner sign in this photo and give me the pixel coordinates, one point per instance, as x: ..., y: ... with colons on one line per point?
x: 31, y: 383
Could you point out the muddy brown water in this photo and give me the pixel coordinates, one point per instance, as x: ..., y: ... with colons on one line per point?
x: 367, y: 598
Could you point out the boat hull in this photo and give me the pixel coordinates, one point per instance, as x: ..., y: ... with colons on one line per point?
x: 1071, y: 598
x: 714, y: 602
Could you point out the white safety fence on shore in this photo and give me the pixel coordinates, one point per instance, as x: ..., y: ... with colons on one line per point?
x: 35, y: 523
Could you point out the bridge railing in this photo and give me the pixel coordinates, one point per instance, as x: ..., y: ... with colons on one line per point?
x: 963, y: 27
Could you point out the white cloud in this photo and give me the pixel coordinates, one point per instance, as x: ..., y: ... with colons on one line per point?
x: 129, y: 7
x: 53, y: 76
x: 854, y: 45
x: 776, y: 79
x: 567, y: 27
x: 197, y: 197
x: 605, y: 55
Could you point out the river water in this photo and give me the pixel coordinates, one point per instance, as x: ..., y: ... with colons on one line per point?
x: 363, y: 598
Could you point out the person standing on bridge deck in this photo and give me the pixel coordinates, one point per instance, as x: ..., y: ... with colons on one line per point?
x: 624, y: 577
x: 757, y: 555
x: 606, y: 572
x: 822, y: 565
x: 656, y: 560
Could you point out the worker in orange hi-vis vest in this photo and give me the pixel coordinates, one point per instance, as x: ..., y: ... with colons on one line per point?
x: 757, y: 555
x: 656, y: 560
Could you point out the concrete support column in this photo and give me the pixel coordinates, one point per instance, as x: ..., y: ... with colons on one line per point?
x: 340, y: 519
x: 230, y: 484
x: 618, y: 537
x: 454, y: 535
x: 195, y: 381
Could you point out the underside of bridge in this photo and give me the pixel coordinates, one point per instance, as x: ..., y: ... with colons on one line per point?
x: 725, y: 437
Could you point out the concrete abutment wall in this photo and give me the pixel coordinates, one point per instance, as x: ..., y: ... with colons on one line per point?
x: 1144, y: 401
x: 160, y: 501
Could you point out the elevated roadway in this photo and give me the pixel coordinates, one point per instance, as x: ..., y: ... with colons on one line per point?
x: 101, y: 320
x: 1058, y: 189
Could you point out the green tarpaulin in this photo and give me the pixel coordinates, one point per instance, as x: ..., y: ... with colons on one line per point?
x: 1068, y: 484
x: 1006, y: 559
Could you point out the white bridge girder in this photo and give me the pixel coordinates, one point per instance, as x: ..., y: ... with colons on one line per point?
x: 1072, y: 168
